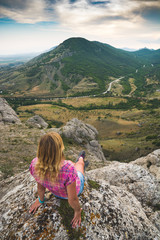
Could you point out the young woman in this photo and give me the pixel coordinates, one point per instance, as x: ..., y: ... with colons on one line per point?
x: 63, y: 178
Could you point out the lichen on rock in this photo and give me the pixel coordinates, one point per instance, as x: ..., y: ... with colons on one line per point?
x: 135, y: 179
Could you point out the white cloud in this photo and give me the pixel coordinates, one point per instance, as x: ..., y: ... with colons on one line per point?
x: 79, y: 12
x: 117, y: 22
x: 33, y: 12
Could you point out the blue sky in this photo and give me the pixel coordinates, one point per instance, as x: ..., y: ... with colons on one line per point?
x: 37, y: 25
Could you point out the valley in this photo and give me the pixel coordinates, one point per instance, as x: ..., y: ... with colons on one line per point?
x: 125, y: 134
x: 116, y: 91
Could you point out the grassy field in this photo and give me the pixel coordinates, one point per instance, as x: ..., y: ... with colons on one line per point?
x: 78, y: 102
x: 122, y: 134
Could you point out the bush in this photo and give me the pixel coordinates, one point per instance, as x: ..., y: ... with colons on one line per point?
x: 156, y: 142
x: 151, y: 137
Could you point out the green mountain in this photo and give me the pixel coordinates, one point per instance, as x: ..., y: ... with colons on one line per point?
x: 148, y: 55
x: 147, y: 76
x: 77, y: 66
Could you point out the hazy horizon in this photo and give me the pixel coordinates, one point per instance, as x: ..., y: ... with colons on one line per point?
x: 47, y: 50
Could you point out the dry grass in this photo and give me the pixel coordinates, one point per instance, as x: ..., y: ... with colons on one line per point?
x: 86, y: 84
x: 18, y: 147
x: 110, y: 128
x: 117, y: 89
x: 133, y: 86
x: 155, y: 95
x: 77, y: 102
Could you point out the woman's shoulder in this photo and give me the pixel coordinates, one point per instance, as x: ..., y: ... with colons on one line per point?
x: 32, y: 165
x: 67, y: 165
x: 34, y: 161
x: 68, y: 162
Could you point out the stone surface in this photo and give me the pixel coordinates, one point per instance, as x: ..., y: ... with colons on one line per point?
x: 79, y: 131
x: 7, y: 114
x: 36, y: 122
x: 151, y: 162
x: 1, y: 175
x: 83, y: 134
x: 110, y: 212
x: 132, y: 178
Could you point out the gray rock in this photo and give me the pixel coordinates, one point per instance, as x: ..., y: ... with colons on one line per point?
x: 131, y: 177
x: 79, y: 131
x: 7, y: 114
x: 110, y: 212
x: 95, y: 148
x: 1, y: 175
x: 36, y: 122
x: 83, y: 134
x: 151, y: 162
x: 155, y: 218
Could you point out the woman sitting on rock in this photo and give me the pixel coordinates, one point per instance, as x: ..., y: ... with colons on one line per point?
x: 63, y: 178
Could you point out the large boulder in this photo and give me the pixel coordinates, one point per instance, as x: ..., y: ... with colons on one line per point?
x: 83, y: 134
x: 133, y: 178
x: 36, y: 122
x: 7, y: 114
x: 109, y: 212
x: 79, y: 131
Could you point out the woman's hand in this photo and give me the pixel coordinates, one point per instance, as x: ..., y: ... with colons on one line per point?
x: 35, y: 206
x: 77, y: 218
x: 74, y: 203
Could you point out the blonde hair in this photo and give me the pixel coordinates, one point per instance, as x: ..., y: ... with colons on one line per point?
x: 49, y: 154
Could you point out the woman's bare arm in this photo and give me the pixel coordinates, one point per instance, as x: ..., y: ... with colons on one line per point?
x: 41, y: 191
x: 36, y: 204
x: 74, y: 203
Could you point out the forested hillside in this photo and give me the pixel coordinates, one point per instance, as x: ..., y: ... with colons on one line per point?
x: 81, y: 67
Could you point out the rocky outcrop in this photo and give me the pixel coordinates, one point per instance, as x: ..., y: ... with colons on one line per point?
x: 36, y: 122
x: 79, y: 131
x: 7, y: 114
x: 109, y: 212
x: 83, y: 134
x: 133, y: 178
x: 151, y: 162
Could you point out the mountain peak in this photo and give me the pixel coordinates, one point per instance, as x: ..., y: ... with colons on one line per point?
x: 77, y: 43
x: 75, y: 39
x: 146, y: 49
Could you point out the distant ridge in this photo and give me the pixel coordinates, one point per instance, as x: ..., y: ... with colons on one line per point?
x: 129, y: 49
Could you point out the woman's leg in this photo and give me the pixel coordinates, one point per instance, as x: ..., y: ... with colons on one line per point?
x: 80, y: 165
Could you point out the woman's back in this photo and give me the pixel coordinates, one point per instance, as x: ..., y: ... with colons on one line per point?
x: 66, y: 176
